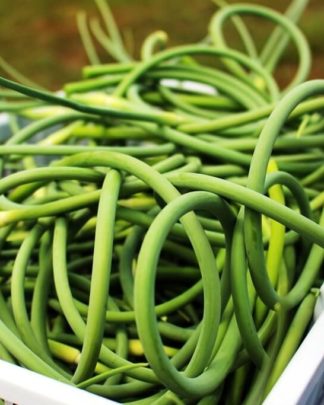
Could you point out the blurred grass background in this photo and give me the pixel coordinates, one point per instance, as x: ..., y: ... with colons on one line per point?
x: 40, y: 37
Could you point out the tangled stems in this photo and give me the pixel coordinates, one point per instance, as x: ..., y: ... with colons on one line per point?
x: 155, y: 40
x: 144, y: 294
x: 69, y: 309
x: 299, y: 39
x: 105, y: 112
x: 227, y: 189
x: 255, y: 201
x: 271, y: 209
x: 157, y: 182
x: 133, y: 246
x: 238, y: 91
x: 163, y: 56
x: 41, y: 292
x: 236, y: 120
x: 63, y: 150
x: 102, y: 258
x: 256, y: 178
x: 18, y: 299
x: 230, y: 190
x: 163, y: 309
x: 17, y: 288
x: 241, y: 299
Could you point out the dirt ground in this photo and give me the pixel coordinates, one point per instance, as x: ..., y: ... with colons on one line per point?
x: 42, y: 40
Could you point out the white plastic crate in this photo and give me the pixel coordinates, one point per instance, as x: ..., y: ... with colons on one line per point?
x: 302, y: 382
x: 24, y: 387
